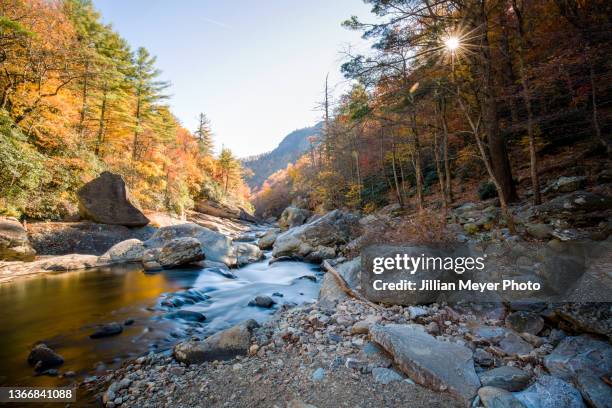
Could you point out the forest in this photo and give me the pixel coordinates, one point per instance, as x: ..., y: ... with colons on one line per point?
x: 458, y: 99
x: 76, y: 100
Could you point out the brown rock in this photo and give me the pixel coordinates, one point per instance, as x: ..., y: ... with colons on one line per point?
x: 105, y: 200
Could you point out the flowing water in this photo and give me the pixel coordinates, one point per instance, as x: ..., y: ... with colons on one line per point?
x: 63, y: 309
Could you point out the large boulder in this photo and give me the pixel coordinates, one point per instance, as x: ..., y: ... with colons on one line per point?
x: 216, y: 247
x: 105, y: 199
x: 14, y: 243
x: 223, y: 210
x: 292, y: 217
x: 10, y: 271
x: 267, y: 239
x: 180, y: 251
x: 435, y: 364
x: 130, y: 250
x: 223, y: 345
x: 333, y: 229
x: 62, y: 238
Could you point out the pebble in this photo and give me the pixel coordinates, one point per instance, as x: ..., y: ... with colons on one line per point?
x: 318, y: 374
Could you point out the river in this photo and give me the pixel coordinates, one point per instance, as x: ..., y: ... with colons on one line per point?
x: 63, y: 309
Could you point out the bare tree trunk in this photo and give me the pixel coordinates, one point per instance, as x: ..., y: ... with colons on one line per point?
x: 101, y: 125
x: 596, y: 126
x: 84, y: 106
x: 417, y: 164
x: 441, y: 176
x: 535, y: 180
x: 400, y: 201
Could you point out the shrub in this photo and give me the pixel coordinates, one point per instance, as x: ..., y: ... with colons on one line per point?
x: 487, y: 190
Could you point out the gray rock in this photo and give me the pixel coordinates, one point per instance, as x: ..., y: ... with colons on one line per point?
x: 488, y: 334
x: 247, y: 253
x: 595, y: 392
x: 513, y: 344
x: 216, y: 246
x: 525, y: 322
x: 583, y: 360
x: 550, y: 392
x: 351, y: 272
x: 189, y: 315
x: 321, y: 253
x: 43, y: 358
x: 180, y: 251
x: 385, y: 375
x: 483, y: 358
x: 127, y: 251
x: 566, y: 184
x: 107, y: 330
x: 334, y: 228
x: 576, y: 206
x: 506, y: 377
x: 106, y: 200
x: 318, y: 374
x: 540, y: 231
x: 149, y: 260
x: 577, y: 354
x: 435, y: 364
x: 86, y: 237
x: 330, y: 293
x: 292, y: 217
x: 14, y: 243
x: 492, y: 397
x: 262, y: 301
x: 223, y: 345
x: 223, y: 210
x: 267, y: 240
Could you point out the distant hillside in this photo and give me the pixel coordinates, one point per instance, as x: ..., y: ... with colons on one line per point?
x: 294, y: 145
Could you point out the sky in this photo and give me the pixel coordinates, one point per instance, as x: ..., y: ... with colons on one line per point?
x: 256, y: 68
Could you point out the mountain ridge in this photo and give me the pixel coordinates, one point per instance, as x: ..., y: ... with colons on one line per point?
x: 293, y: 145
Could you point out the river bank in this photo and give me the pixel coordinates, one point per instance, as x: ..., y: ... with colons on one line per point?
x: 336, y: 344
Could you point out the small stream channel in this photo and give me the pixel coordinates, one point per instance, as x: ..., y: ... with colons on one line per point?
x: 63, y: 309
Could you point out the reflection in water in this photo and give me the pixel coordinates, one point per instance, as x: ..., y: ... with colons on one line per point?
x: 63, y: 309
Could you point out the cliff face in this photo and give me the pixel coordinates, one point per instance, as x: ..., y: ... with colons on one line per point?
x: 294, y: 145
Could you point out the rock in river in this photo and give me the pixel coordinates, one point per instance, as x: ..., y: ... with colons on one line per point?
x: 223, y: 345
x: 14, y: 243
x: 293, y: 217
x: 267, y: 240
x: 216, y: 246
x: 130, y: 250
x: 320, y: 236
x: 107, y: 330
x: 105, y: 199
x: 435, y: 364
x: 43, y: 357
x: 262, y: 301
x: 180, y: 251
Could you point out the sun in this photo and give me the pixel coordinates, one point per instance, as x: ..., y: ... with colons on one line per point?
x: 452, y: 43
